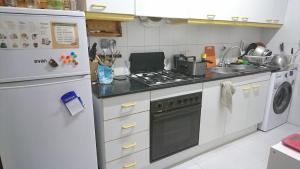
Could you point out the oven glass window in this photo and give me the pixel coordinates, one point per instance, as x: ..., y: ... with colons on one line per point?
x: 174, y: 131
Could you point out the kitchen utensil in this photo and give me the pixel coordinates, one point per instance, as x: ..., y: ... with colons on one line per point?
x: 260, y: 60
x: 93, y: 52
x: 189, y: 65
x: 280, y: 60
x: 281, y: 46
x: 250, y: 47
x: 259, y: 51
x: 267, y: 52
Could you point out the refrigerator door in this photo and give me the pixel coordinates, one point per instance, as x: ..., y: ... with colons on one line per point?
x: 36, y: 46
x: 38, y: 132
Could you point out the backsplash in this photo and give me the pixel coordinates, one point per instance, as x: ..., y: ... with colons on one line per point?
x: 175, y: 39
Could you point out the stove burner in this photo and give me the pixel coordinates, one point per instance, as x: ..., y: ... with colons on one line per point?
x: 160, y: 78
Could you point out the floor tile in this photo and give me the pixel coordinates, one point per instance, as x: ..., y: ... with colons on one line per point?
x: 249, y: 152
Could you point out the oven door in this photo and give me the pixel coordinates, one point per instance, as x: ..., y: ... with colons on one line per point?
x: 174, y: 131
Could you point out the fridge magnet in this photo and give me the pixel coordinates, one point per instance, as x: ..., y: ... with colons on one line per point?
x: 73, y: 103
x: 64, y: 35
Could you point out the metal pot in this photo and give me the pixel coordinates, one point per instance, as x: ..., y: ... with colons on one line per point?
x: 281, y: 61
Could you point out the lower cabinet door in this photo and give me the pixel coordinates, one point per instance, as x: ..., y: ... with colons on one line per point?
x: 137, y: 160
x: 237, y: 118
x: 213, y: 114
x: 257, y: 102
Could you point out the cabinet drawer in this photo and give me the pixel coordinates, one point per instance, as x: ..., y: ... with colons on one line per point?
x: 137, y: 160
x: 127, y: 145
x: 126, y: 105
x: 125, y: 126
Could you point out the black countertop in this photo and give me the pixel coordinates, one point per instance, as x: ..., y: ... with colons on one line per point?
x: 129, y: 86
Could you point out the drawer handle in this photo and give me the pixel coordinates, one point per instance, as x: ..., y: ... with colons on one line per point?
x: 256, y: 86
x: 235, y: 18
x: 127, y: 105
x: 128, y: 146
x: 211, y: 17
x: 127, y: 126
x: 129, y: 165
x: 244, y: 19
x: 269, y: 20
x: 98, y: 6
x: 246, y: 88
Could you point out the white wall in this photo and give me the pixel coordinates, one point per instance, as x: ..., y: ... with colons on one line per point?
x: 290, y: 35
x: 174, y: 39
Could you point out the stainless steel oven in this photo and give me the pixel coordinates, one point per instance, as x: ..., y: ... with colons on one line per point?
x: 174, y: 125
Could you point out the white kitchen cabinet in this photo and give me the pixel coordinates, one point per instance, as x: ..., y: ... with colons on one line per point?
x: 213, y: 114
x: 259, y: 11
x: 248, y: 106
x: 237, y: 118
x: 162, y: 8
x: 211, y: 9
x: 257, y: 102
x: 109, y: 6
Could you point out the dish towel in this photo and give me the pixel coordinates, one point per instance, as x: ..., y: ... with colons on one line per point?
x: 227, y: 91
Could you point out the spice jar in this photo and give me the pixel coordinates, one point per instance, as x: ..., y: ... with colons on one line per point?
x: 21, y: 3
x: 42, y: 4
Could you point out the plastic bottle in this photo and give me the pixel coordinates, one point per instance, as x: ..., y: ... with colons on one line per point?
x: 42, y: 4
x: 73, y: 4
x: 67, y: 5
x: 56, y: 4
x: 21, y: 3
x: 10, y: 2
x: 31, y: 3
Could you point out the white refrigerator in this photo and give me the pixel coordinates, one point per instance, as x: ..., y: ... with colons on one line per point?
x: 46, y: 112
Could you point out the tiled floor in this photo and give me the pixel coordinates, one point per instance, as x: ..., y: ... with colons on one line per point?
x: 250, y: 152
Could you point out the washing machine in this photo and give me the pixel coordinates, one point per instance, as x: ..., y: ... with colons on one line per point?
x: 279, y: 99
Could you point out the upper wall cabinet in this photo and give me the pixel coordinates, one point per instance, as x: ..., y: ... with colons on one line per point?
x: 259, y: 11
x: 109, y: 6
x: 162, y: 8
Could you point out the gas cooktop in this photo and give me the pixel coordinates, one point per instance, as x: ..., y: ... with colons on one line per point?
x: 160, y: 77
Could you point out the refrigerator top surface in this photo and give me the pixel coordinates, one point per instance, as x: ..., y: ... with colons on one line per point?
x: 37, y: 46
x: 31, y: 11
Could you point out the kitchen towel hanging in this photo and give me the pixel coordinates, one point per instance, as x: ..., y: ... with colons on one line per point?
x: 227, y: 91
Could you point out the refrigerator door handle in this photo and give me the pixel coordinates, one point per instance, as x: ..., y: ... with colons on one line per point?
x: 43, y: 82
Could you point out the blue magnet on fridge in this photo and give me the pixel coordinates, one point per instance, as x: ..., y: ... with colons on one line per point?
x: 72, y: 102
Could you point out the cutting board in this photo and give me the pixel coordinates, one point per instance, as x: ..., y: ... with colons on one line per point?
x: 292, y: 141
x: 210, y: 55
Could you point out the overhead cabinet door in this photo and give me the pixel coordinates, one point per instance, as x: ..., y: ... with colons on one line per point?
x: 162, y: 8
x: 260, y: 11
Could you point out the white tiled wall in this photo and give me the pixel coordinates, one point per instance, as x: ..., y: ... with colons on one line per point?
x: 175, y: 39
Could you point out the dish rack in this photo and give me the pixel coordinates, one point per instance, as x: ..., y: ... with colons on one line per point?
x: 261, y: 60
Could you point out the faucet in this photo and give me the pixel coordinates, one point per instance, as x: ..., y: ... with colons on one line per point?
x: 222, y: 63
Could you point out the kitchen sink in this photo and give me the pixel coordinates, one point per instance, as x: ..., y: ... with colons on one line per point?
x: 243, y: 67
x: 223, y: 70
x: 234, y: 69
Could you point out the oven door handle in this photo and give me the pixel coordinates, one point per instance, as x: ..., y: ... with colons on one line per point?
x: 172, y: 113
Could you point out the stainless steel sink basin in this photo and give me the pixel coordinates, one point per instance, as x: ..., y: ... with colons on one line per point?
x: 233, y: 69
x: 223, y: 70
x: 243, y: 67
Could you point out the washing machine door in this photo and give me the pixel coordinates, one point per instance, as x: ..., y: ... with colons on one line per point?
x: 282, y: 98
